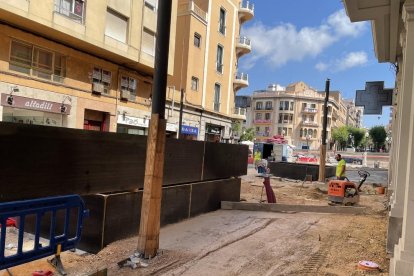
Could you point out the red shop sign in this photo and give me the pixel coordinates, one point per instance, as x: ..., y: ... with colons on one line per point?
x: 34, y: 104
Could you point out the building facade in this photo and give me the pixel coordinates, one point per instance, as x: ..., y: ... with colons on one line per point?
x: 296, y: 112
x: 208, y: 47
x: 89, y: 64
x: 84, y: 64
x: 393, y: 33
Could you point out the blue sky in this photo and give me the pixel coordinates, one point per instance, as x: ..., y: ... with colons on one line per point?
x: 312, y: 41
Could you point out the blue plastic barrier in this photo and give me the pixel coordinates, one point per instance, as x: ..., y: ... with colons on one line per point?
x: 72, y: 204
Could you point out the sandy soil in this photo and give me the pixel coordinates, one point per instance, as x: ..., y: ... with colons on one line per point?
x: 255, y: 243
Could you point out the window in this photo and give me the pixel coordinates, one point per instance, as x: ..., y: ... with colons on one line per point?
x: 116, y: 26
x: 148, y: 42
x: 222, y: 21
x: 267, y: 131
x: 38, y: 62
x: 151, y: 4
x: 217, y: 97
x: 129, y: 84
x: 313, y: 105
x: 197, y: 40
x: 285, y: 118
x: 102, y: 76
x: 74, y: 9
x: 292, y: 106
x: 267, y: 116
x: 259, y: 105
x: 268, y: 105
x: 194, y: 83
x: 257, y: 129
x: 258, y: 116
x: 219, y: 59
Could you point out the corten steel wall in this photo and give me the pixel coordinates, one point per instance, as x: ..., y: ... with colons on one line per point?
x: 117, y: 216
x: 298, y: 171
x: 38, y: 161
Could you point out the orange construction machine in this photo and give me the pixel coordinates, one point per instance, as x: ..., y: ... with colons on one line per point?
x: 344, y: 191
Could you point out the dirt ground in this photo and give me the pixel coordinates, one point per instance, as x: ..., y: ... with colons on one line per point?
x: 255, y: 243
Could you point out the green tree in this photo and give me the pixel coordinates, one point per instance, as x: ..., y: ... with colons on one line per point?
x: 358, y: 134
x: 378, y: 136
x: 248, y: 135
x: 235, y: 127
x: 340, y: 136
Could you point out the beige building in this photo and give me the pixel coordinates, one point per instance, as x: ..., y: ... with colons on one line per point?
x: 393, y: 33
x: 297, y: 113
x: 79, y: 63
x: 207, y: 49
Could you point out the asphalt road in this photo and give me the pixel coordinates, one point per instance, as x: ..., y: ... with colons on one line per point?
x: 377, y: 176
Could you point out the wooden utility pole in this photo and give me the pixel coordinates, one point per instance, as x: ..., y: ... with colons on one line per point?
x: 322, y: 157
x: 149, y: 228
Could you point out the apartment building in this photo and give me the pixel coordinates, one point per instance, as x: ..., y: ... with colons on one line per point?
x: 296, y: 112
x: 208, y: 46
x: 84, y: 64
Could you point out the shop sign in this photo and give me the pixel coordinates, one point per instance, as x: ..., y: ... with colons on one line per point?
x: 133, y: 121
x: 171, y: 127
x: 214, y: 130
x: 189, y: 130
x: 34, y: 104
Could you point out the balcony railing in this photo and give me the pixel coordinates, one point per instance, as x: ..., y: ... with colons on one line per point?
x: 240, y: 111
x: 245, y: 41
x: 309, y: 123
x: 242, y: 77
x: 262, y: 121
x: 246, y: 5
x: 263, y: 134
x: 310, y: 110
x: 194, y: 9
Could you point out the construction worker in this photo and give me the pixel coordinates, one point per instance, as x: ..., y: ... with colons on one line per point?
x: 341, y: 168
x: 257, y: 158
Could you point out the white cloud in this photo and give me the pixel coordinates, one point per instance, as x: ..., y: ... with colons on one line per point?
x: 284, y: 42
x: 350, y: 60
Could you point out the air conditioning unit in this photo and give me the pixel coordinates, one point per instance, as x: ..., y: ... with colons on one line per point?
x: 97, y: 88
x: 125, y: 94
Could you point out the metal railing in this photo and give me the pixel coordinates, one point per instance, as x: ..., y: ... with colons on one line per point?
x: 262, y: 121
x: 39, y: 209
x: 247, y: 5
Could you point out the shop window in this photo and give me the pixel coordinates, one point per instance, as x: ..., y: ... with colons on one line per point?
x: 197, y: 40
x: 38, y: 62
x: 194, y: 83
x: 103, y: 77
x: 148, y: 42
x: 129, y: 85
x: 74, y: 9
x: 116, y: 26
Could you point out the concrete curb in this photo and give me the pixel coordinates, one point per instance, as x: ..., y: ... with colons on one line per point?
x: 274, y: 207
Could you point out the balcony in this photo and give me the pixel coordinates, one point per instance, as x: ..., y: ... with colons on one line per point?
x: 246, y: 11
x: 310, y: 123
x: 243, y: 46
x: 262, y: 134
x: 193, y: 9
x: 239, y: 113
x: 241, y: 80
x: 262, y: 122
x: 310, y: 110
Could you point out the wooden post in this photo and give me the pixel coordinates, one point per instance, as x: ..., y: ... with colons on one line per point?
x: 149, y: 228
x: 322, y: 156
